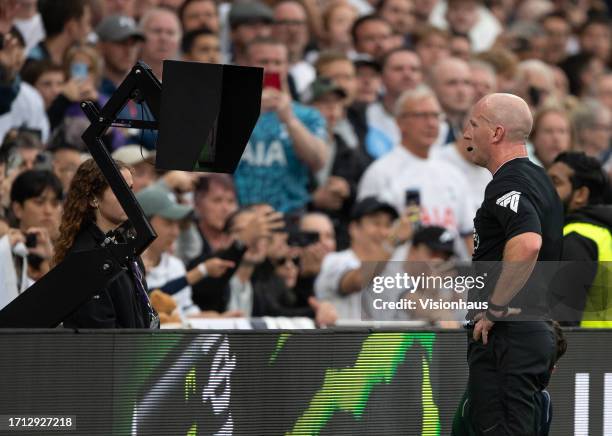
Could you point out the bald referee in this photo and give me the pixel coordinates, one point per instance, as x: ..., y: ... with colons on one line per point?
x: 511, y: 346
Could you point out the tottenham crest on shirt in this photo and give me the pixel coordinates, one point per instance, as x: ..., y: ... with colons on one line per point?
x: 510, y: 200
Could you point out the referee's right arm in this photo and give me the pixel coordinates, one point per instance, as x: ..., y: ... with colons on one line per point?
x: 520, y: 256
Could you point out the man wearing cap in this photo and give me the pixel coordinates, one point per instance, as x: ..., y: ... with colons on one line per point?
x: 345, y: 274
x: 164, y: 270
x: 118, y: 42
x: 248, y: 20
x: 369, y: 80
x: 337, y: 181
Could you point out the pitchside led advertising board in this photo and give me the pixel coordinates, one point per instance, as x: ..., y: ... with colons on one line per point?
x: 331, y: 382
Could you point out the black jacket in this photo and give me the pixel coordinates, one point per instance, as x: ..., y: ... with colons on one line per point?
x: 116, y: 306
x: 213, y: 293
x: 271, y: 297
x: 349, y: 164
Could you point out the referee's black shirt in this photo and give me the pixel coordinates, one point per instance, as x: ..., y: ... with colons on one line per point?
x: 519, y: 199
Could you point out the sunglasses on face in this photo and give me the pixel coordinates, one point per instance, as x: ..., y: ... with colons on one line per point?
x: 281, y: 261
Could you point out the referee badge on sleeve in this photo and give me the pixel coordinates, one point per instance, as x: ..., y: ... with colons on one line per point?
x: 509, y: 200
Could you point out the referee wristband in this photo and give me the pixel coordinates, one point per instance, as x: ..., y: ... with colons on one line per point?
x: 492, y: 317
x: 202, y: 269
x: 496, y: 308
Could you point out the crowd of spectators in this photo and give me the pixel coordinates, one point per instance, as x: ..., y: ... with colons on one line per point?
x: 371, y: 105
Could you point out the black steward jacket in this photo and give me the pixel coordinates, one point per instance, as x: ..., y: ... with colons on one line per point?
x: 116, y: 306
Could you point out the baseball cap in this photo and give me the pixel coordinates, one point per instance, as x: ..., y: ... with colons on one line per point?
x: 245, y: 12
x: 322, y: 86
x: 116, y: 28
x: 364, y: 60
x: 132, y: 154
x: 370, y: 206
x: 435, y: 237
x: 156, y: 200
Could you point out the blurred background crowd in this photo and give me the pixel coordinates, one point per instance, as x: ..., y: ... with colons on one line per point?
x: 358, y: 155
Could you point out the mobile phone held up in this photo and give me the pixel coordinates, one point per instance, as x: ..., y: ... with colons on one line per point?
x: 79, y: 70
x: 413, y: 205
x: 413, y: 197
x: 302, y: 239
x: 31, y: 240
x: 272, y: 80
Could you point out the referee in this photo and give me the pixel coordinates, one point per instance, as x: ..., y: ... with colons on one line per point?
x: 511, y: 346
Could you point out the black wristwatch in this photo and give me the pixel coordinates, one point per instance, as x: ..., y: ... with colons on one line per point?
x: 494, y: 307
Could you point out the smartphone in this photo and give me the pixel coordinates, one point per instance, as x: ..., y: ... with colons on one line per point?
x: 303, y: 239
x: 413, y: 197
x: 31, y: 240
x: 79, y: 70
x: 272, y: 80
x: 413, y: 205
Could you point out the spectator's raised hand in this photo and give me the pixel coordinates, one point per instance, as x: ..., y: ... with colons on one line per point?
x: 216, y: 267
x: 77, y: 90
x: 72, y: 90
x: 339, y: 186
x: 88, y: 90
x: 371, y: 249
x: 325, y: 312
x: 403, y: 228
x: 324, y: 198
x: 311, y: 258
x: 273, y: 100
x: 256, y: 253
x: 261, y: 225
x: 15, y: 236
x: 43, y: 247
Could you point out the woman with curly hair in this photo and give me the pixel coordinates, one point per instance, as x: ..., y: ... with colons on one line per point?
x: 91, y: 211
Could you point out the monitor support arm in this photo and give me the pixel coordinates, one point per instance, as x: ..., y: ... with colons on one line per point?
x: 85, y: 273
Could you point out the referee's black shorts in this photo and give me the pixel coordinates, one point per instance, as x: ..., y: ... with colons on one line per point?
x: 506, y: 374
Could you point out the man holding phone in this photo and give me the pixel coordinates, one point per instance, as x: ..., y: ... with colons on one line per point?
x: 286, y: 143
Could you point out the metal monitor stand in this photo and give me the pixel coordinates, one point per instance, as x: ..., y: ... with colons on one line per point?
x: 83, y: 274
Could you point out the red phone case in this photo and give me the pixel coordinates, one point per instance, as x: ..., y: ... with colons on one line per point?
x: 272, y: 80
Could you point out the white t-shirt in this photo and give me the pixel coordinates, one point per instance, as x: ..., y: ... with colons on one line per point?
x: 477, y: 177
x: 443, y: 190
x: 170, y: 268
x: 27, y: 110
x: 32, y: 30
x: 303, y: 74
x: 327, y: 284
x: 482, y: 35
x: 241, y: 295
x: 378, y: 118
